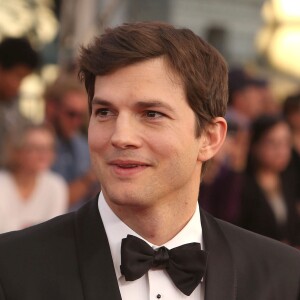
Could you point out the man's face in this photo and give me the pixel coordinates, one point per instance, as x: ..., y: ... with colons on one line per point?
x: 11, y: 80
x: 72, y: 113
x: 142, y: 136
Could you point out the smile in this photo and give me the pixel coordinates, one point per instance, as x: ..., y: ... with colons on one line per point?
x: 127, y: 168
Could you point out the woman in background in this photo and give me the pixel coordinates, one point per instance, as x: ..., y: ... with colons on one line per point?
x: 29, y: 192
x: 269, y: 195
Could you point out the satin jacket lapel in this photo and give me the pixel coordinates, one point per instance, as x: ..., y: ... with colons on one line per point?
x: 220, y: 279
x: 94, y: 257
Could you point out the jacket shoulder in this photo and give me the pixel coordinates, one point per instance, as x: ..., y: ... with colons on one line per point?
x: 44, y: 242
x: 264, y: 266
x: 38, y: 259
x: 39, y: 234
x: 252, y: 243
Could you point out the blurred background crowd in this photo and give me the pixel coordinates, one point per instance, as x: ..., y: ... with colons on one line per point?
x: 45, y: 171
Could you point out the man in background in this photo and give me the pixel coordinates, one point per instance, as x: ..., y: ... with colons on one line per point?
x: 66, y: 111
x: 17, y: 60
x: 248, y: 97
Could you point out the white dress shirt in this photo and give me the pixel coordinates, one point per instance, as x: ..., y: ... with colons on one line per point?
x: 155, y: 284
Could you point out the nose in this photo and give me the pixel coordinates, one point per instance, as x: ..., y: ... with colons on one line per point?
x: 126, y: 133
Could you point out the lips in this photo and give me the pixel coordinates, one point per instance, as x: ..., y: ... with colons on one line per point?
x: 128, y: 163
x: 127, y: 167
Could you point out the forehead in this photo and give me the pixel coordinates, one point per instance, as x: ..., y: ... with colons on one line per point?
x: 149, y: 78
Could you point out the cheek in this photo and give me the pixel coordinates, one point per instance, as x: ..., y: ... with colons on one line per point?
x: 176, y: 153
x: 97, y: 138
x: 163, y: 146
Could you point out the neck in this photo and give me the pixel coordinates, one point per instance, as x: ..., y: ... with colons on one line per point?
x: 161, y: 223
x: 268, y: 173
x: 269, y: 181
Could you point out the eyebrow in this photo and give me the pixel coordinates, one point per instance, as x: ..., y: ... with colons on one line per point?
x: 151, y: 103
x: 100, y: 102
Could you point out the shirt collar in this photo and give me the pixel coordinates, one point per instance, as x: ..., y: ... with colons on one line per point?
x: 116, y: 230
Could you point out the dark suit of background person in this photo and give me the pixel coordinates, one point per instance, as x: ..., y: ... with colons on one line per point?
x: 257, y: 215
x: 69, y: 258
x: 270, y: 153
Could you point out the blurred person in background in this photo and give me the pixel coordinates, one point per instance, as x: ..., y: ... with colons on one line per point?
x: 220, y: 188
x: 269, y: 194
x: 29, y: 192
x: 270, y: 105
x: 291, y: 110
x: 247, y: 96
x: 67, y: 111
x: 17, y: 60
x: 222, y: 181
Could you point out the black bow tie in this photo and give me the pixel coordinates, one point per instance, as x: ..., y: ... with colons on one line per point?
x: 185, y: 264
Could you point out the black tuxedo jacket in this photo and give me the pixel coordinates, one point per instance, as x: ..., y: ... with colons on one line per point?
x: 68, y: 258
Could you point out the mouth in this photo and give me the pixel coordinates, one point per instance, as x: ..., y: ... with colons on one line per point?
x: 128, y: 167
x: 128, y: 164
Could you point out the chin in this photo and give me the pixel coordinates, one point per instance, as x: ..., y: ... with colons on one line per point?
x: 126, y: 197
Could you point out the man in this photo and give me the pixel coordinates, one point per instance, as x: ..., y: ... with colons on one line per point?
x: 157, y: 96
x: 67, y: 111
x: 248, y: 97
x: 17, y: 60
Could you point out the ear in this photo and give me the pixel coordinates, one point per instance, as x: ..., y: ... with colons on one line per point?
x: 212, y: 139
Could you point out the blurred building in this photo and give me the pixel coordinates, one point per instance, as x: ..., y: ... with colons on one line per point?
x: 230, y: 25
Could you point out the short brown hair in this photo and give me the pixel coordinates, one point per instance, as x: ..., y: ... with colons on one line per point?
x: 201, y: 68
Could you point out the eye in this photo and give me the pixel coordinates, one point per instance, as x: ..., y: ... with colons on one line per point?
x: 104, y: 113
x: 152, y: 114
